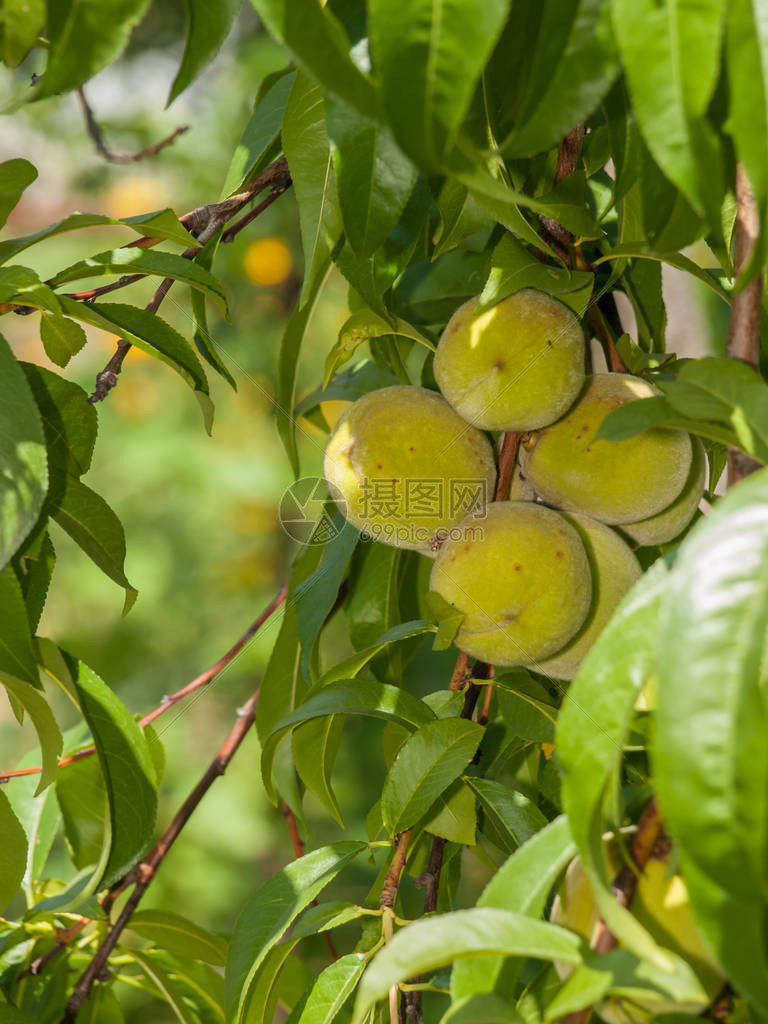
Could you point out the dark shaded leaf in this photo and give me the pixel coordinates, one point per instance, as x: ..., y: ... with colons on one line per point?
x: 261, y: 137
x: 207, y: 27
x: 15, y: 175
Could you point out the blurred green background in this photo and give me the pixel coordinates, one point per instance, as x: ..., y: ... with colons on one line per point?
x: 205, y: 547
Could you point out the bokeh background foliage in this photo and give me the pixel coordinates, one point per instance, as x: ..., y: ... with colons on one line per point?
x: 422, y: 140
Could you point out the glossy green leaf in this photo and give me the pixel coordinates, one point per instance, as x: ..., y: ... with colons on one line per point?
x: 374, y: 178
x: 522, y: 884
x: 22, y: 287
x: 447, y: 619
x: 127, y: 768
x: 266, y: 917
x: 82, y: 797
x: 207, y: 27
x: 317, y: 40
x: 373, y: 604
x: 179, y: 935
x: 359, y: 328
x: 39, y: 816
x: 192, y: 990
x: 13, y: 852
x: 460, y: 215
x: 308, y: 151
x: 261, y: 136
x: 21, y: 22
x: 527, y: 715
x: 70, y: 422
x: 427, y: 763
x: 349, y: 697
x: 266, y: 986
x: 17, y: 657
x: 34, y: 570
x: 200, y: 333
x: 23, y: 463
x: 673, y: 259
x: 514, y: 818
x: 355, y: 663
x: 99, y: 40
x: 44, y: 722
x: 315, y: 745
x: 514, y: 267
x: 102, y: 1008
x: 482, y: 1009
x: 453, y: 816
x: 671, y: 91
x: 92, y: 524
x: 332, y: 988
x: 441, y: 939
x: 429, y: 56
x: 709, y: 752
x: 580, y: 77
x: 15, y: 176
x: 62, y: 338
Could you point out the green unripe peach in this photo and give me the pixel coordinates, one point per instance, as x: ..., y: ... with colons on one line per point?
x: 613, y: 481
x: 671, y: 521
x: 520, y: 488
x: 520, y: 576
x: 614, y: 570
x: 405, y: 468
x: 517, y: 366
x: 661, y: 904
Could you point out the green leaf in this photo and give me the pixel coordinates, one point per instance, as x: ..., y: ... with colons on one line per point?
x: 144, y: 261
x: 39, y: 816
x: 22, y: 286
x: 151, y: 334
x: 355, y: 663
x: 15, y: 177
x: 670, y: 92
x: 261, y: 136
x: 102, y: 1008
x: 580, y: 76
x: 591, y: 730
x: 62, y: 338
x: 447, y: 619
x: 21, y: 22
x: 266, y: 917
x: 266, y: 987
x: 207, y: 27
x: 82, y: 797
x: 513, y: 267
x: 17, y: 657
x: 374, y: 178
x: 126, y: 765
x: 308, y: 151
x: 429, y: 56
x: 515, y: 819
x: 92, y: 524
x: 23, y: 464
x: 179, y: 935
x: 373, y: 603
x: 349, y: 697
x: 522, y: 884
x: 359, y: 328
x: 315, y: 745
x: 42, y: 718
x: 460, y: 216
x: 439, y: 940
x: 82, y: 40
x: 70, y: 423
x: 163, y: 223
x: 34, y: 570
x: 709, y: 752
x: 193, y: 991
x: 332, y: 988
x: 427, y: 763
x: 202, y: 338
x: 526, y: 715
x: 455, y: 815
x: 639, y: 250
x: 318, y: 42
x: 483, y: 1009
x: 13, y: 853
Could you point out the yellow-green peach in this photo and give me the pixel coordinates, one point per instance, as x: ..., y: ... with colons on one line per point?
x: 613, y: 481
x: 671, y: 521
x: 516, y: 366
x: 614, y: 570
x: 404, y: 467
x: 521, y: 578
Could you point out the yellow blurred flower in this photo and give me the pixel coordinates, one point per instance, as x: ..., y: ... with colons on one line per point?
x: 134, y: 195
x: 268, y: 261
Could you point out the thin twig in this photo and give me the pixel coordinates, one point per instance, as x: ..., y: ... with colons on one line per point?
x: 171, y: 699
x: 744, y: 323
x: 392, y: 880
x: 96, y: 134
x: 144, y: 872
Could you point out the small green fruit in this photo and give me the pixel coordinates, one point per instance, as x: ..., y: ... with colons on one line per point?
x: 521, y: 578
x: 404, y: 467
x: 670, y: 522
x: 613, y: 481
x: 517, y: 366
x: 614, y: 570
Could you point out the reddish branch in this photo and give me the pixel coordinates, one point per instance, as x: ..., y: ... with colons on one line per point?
x: 171, y: 699
x: 744, y: 324
x: 95, y: 132
x: 145, y: 871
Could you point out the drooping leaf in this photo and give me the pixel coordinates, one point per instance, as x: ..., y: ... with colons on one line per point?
x: 453, y: 816
x: 92, y: 524
x: 273, y: 908
x: 82, y: 798
x: 514, y: 267
x: 514, y: 818
x: 427, y: 763
x: 39, y: 816
x: 361, y: 326
x: 44, y: 722
x: 23, y: 463
x: 13, y: 852
x: 17, y: 657
x: 15, y: 176
x: 193, y: 991
x: 99, y: 40
x: 355, y: 663
x: 373, y: 603
x: 315, y: 745
x: 207, y: 27
x: 62, y: 338
x: 709, y: 756
x: 261, y: 136
x: 332, y: 988
x: 200, y: 333
x: 179, y: 935
x: 70, y: 423
x: 640, y: 250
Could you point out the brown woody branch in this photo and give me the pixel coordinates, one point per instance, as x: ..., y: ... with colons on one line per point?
x: 172, y: 699
x: 744, y: 324
x: 96, y: 134
x: 144, y: 872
